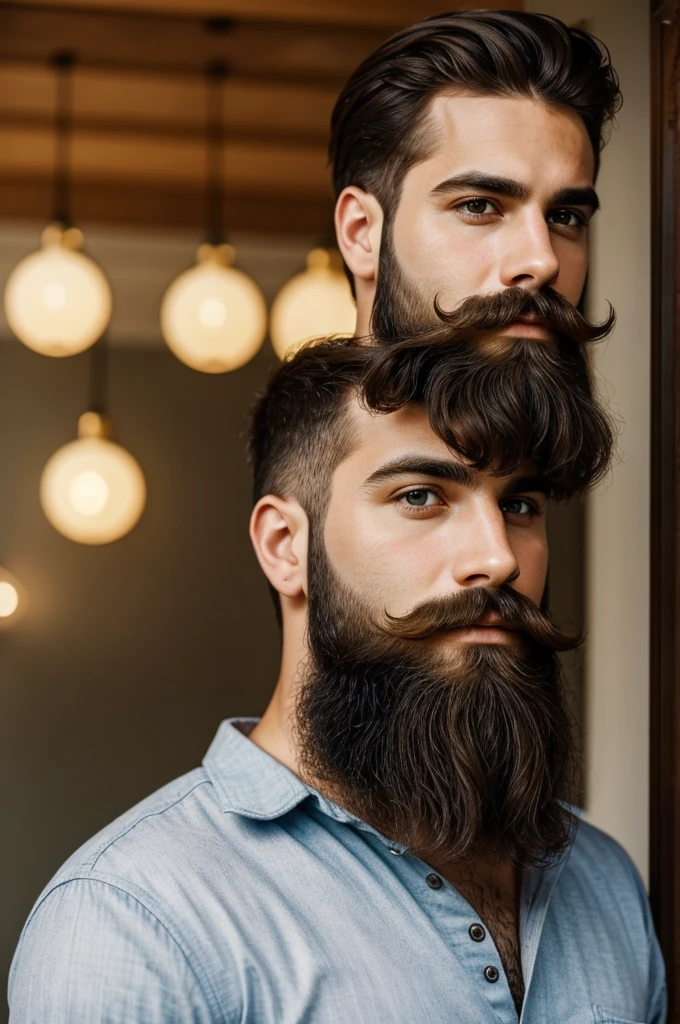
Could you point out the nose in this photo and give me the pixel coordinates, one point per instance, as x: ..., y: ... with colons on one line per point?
x: 530, y: 260
x: 486, y: 558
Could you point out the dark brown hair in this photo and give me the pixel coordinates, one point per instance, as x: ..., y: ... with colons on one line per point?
x: 529, y: 401
x: 379, y: 127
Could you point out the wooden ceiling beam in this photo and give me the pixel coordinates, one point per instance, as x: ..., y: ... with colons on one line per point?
x: 381, y: 14
x: 312, y: 56
x: 130, y: 205
x: 260, y: 166
x: 130, y: 100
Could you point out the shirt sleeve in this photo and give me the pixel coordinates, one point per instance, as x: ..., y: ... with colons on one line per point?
x: 93, y: 954
x: 657, y: 1008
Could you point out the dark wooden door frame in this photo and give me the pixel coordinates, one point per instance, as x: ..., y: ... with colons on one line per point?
x: 665, y: 492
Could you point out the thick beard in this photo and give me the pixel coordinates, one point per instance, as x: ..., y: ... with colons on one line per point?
x: 399, y: 308
x: 448, y: 754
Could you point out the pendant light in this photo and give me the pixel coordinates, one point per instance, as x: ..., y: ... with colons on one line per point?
x: 213, y: 316
x: 314, y: 304
x: 57, y: 300
x: 12, y: 599
x: 92, y: 490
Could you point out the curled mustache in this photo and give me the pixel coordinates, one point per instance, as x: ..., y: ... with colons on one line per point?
x: 464, y: 609
x: 499, y: 310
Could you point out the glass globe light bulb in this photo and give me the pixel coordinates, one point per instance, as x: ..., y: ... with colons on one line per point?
x: 57, y: 300
x: 213, y: 316
x: 314, y: 304
x: 92, y: 490
x: 12, y: 599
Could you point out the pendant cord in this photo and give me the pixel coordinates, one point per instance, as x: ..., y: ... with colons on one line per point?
x: 63, y: 63
x: 216, y: 74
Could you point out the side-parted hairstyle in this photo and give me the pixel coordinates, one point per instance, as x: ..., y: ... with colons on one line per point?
x: 380, y: 128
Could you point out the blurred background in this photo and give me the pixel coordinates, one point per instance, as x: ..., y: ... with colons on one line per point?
x: 133, y: 616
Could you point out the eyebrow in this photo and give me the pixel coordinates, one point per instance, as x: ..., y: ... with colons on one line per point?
x: 582, y: 195
x: 413, y: 465
x: 447, y: 469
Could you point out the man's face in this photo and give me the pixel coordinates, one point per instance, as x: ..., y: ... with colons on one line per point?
x: 408, y: 522
x: 503, y: 201
x: 431, y: 703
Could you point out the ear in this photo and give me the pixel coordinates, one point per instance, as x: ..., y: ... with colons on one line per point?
x: 279, y: 533
x: 358, y: 227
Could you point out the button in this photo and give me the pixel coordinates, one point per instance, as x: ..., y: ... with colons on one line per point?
x: 477, y: 933
x: 397, y: 853
x: 491, y: 973
x: 434, y: 881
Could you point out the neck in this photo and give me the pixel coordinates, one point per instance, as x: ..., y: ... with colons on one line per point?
x: 274, y: 732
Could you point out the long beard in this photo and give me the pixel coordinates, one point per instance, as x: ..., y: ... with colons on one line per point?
x: 446, y: 753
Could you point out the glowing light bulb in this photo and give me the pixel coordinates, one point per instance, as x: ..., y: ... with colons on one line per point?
x: 316, y: 303
x: 54, y: 295
x: 12, y: 599
x: 213, y: 316
x: 9, y: 599
x: 212, y: 313
x: 57, y: 300
x: 88, y: 493
x: 92, y: 490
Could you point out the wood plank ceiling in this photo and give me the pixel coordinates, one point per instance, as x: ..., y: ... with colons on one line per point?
x: 140, y: 96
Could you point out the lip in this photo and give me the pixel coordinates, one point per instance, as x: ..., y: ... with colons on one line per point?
x: 529, y: 326
x: 484, y: 634
x: 492, y: 619
x: 488, y: 629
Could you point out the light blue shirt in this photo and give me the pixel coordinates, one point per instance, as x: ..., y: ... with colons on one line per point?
x: 239, y: 894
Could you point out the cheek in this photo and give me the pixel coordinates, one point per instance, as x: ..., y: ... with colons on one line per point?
x: 384, y: 565
x: 442, y: 258
x: 532, y: 557
x: 573, y: 261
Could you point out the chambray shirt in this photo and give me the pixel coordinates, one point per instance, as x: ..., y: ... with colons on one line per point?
x: 237, y: 893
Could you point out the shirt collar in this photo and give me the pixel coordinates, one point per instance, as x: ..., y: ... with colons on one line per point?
x: 248, y: 780
x: 251, y: 782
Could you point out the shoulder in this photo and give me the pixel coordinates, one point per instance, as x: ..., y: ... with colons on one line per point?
x: 110, y: 919
x: 602, y: 870
x: 170, y: 818
x: 599, y: 852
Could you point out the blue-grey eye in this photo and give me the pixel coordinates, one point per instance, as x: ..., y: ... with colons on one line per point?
x: 418, y: 498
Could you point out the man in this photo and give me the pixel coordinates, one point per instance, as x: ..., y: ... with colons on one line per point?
x: 393, y: 840
x: 464, y: 154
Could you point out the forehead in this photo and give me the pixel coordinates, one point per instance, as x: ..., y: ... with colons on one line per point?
x: 544, y: 146
x: 380, y: 438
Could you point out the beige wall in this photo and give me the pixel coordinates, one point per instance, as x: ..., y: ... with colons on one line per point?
x: 617, y: 663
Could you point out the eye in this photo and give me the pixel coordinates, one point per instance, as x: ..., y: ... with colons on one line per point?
x: 419, y: 498
x: 518, y: 507
x: 567, y: 218
x: 479, y: 207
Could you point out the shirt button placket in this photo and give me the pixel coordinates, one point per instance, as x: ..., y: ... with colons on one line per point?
x: 476, y: 931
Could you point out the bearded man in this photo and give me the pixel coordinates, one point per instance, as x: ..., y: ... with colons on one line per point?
x: 464, y: 153
x: 395, y: 839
